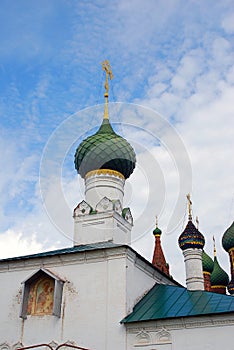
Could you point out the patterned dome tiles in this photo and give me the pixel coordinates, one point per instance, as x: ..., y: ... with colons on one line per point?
x: 191, y: 237
x: 105, y: 150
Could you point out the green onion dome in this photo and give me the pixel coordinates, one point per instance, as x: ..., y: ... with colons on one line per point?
x: 191, y: 237
x: 231, y: 286
x: 218, y: 277
x: 207, y: 263
x: 105, y: 150
x: 157, y: 232
x: 228, y: 238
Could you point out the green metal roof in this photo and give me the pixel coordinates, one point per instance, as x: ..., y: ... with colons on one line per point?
x: 164, y: 301
x: 84, y: 248
x: 75, y: 249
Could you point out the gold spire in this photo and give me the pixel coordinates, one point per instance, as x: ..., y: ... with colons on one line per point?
x: 214, y: 246
x: 107, y: 68
x: 189, y: 206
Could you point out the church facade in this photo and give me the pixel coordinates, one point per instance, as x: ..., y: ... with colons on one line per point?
x: 101, y: 294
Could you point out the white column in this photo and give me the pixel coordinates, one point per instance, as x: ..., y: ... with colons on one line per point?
x: 193, y: 268
x: 103, y: 183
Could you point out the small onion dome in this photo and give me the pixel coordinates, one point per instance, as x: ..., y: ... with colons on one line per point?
x: 207, y: 262
x: 228, y: 238
x: 191, y: 237
x: 105, y: 150
x: 157, y: 232
x: 231, y: 286
x: 218, y: 277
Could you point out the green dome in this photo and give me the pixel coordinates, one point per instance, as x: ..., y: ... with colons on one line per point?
x: 207, y: 262
x: 105, y: 150
x: 218, y: 277
x: 228, y: 238
x: 157, y: 231
x: 191, y: 237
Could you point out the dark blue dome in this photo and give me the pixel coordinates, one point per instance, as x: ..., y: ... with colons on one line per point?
x: 191, y: 237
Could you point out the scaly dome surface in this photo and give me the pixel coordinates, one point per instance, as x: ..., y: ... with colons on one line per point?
x: 207, y: 262
x: 218, y: 277
x: 157, y: 232
x: 191, y: 237
x: 105, y: 150
x: 228, y: 238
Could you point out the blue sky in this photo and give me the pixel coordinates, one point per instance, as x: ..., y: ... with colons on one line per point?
x: 174, y: 57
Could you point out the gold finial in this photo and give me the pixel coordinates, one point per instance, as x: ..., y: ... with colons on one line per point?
x: 197, y: 222
x: 214, y: 246
x: 107, y: 68
x: 156, y: 221
x: 189, y: 206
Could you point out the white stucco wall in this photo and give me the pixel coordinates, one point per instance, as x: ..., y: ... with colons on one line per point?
x: 101, y: 288
x: 101, y: 227
x: 140, y: 276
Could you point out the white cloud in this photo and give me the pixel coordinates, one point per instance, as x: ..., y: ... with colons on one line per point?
x: 15, y: 244
x: 228, y: 23
x: 199, y: 96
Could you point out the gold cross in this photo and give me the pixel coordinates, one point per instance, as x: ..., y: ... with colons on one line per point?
x: 107, y: 68
x: 189, y: 206
x: 197, y: 221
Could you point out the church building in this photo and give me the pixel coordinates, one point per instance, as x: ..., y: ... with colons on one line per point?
x: 101, y: 294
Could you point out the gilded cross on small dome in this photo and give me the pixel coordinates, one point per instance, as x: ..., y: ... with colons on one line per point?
x: 189, y: 206
x: 197, y: 222
x: 214, y: 245
x: 107, y: 68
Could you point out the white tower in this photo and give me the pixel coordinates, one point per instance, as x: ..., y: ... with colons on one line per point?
x: 191, y: 241
x: 104, y: 160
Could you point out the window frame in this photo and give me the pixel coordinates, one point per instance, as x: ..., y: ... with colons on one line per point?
x: 58, y: 292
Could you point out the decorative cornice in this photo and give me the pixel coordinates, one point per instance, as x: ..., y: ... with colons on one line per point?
x: 99, y: 172
x: 182, y: 323
x: 58, y: 260
x: 103, y: 216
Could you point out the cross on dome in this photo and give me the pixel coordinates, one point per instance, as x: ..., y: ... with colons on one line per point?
x: 107, y: 68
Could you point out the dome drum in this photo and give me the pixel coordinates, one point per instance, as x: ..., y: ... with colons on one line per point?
x: 104, y: 183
